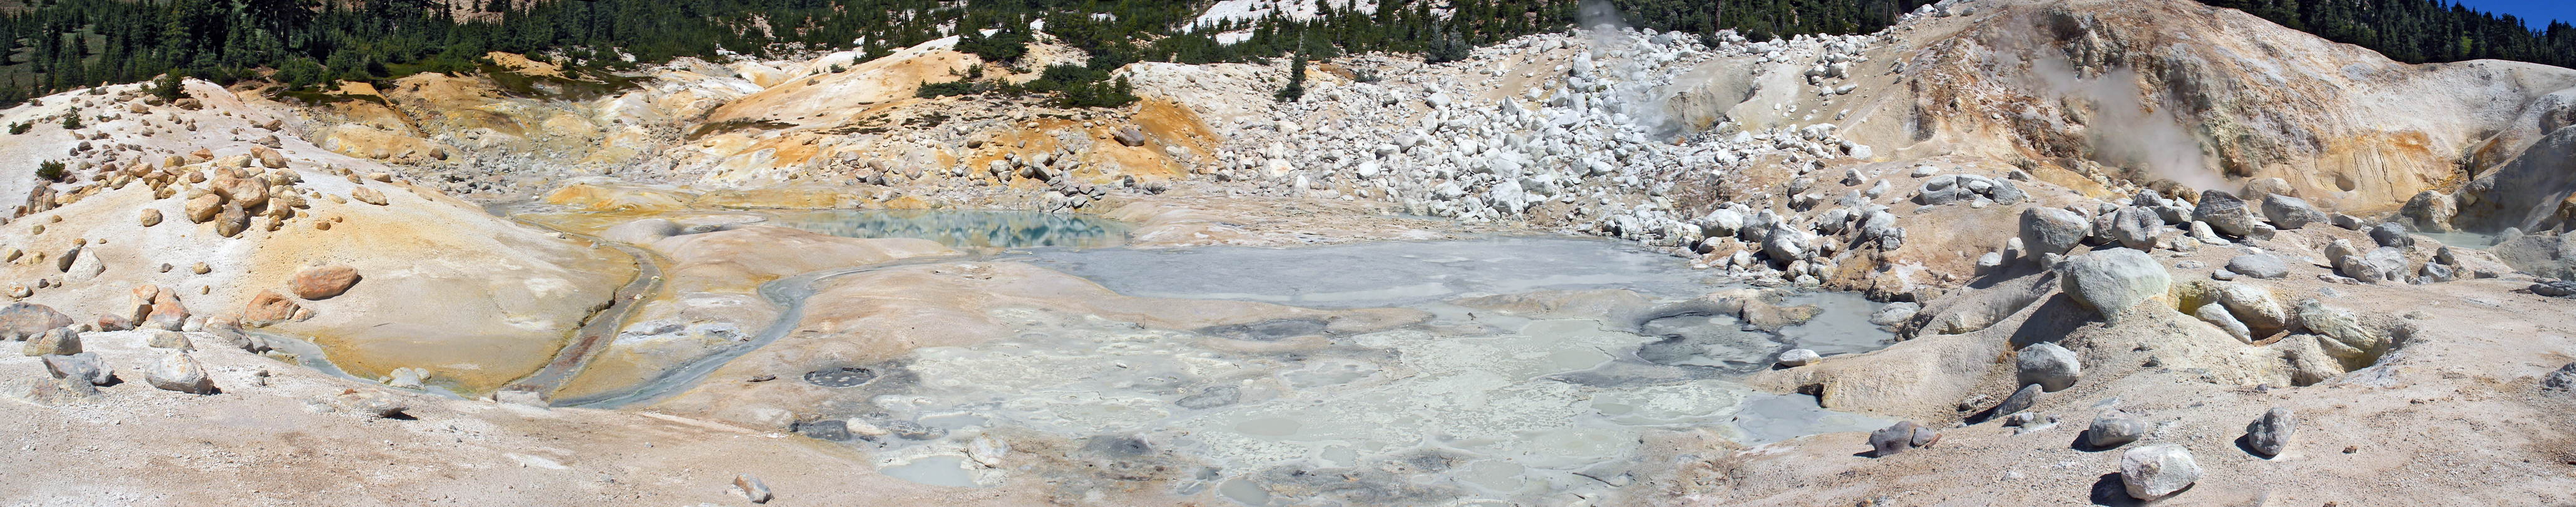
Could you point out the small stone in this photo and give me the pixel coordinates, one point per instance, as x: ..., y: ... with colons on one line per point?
x: 1799, y: 357
x: 200, y: 268
x: 2019, y: 401
x: 2155, y: 471
x: 178, y: 372
x: 1976, y: 402
x: 2259, y: 265
x: 516, y: 397
x: 370, y: 403
x: 367, y: 195
x: 165, y: 339
x: 84, y: 367
x: 151, y: 217
x: 1895, y: 313
x: 751, y: 488
x: 1211, y: 397
x: 407, y: 378
x: 2047, y: 365
x: 61, y: 341
x: 2271, y: 434
x: 2114, y: 428
x: 323, y: 282
x: 2563, y: 379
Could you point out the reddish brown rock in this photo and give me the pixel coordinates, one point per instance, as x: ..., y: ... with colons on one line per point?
x: 323, y: 282
x: 268, y: 307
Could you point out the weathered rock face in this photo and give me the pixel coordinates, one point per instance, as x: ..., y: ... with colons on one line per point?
x: 2112, y: 281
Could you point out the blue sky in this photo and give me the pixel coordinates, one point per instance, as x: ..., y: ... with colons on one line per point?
x: 2536, y: 13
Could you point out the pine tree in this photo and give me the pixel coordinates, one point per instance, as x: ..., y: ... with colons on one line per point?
x: 1296, y: 88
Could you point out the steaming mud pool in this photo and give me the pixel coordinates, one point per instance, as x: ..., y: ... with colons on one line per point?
x: 1496, y: 405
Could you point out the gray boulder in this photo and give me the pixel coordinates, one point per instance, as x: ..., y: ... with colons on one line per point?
x: 20, y: 321
x: 2019, y: 401
x: 2052, y: 230
x: 61, y: 341
x: 2270, y: 434
x: 2287, y: 212
x: 178, y: 372
x: 2264, y: 266
x: 2113, y: 429
x: 84, y: 367
x: 2156, y: 471
x: 2112, y: 281
x: 2047, y: 365
x: 2225, y: 212
x: 2136, y: 227
x: 2392, y: 235
x: 1895, y: 313
x: 1900, y: 437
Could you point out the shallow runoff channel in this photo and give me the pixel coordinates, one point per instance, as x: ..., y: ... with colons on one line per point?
x: 1471, y: 407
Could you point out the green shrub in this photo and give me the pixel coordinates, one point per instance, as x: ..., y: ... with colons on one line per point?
x: 51, y: 170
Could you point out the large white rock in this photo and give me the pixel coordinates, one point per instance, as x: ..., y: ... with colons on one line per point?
x: 2155, y: 471
x: 2112, y: 281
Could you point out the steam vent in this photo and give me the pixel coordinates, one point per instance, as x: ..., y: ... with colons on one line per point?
x: 1276, y: 253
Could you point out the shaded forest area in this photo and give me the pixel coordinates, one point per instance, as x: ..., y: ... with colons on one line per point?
x: 55, y: 45
x: 2419, y: 31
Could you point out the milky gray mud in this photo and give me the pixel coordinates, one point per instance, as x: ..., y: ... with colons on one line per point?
x: 1474, y: 405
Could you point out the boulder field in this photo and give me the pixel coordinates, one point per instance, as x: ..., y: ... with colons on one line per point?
x: 2131, y: 250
